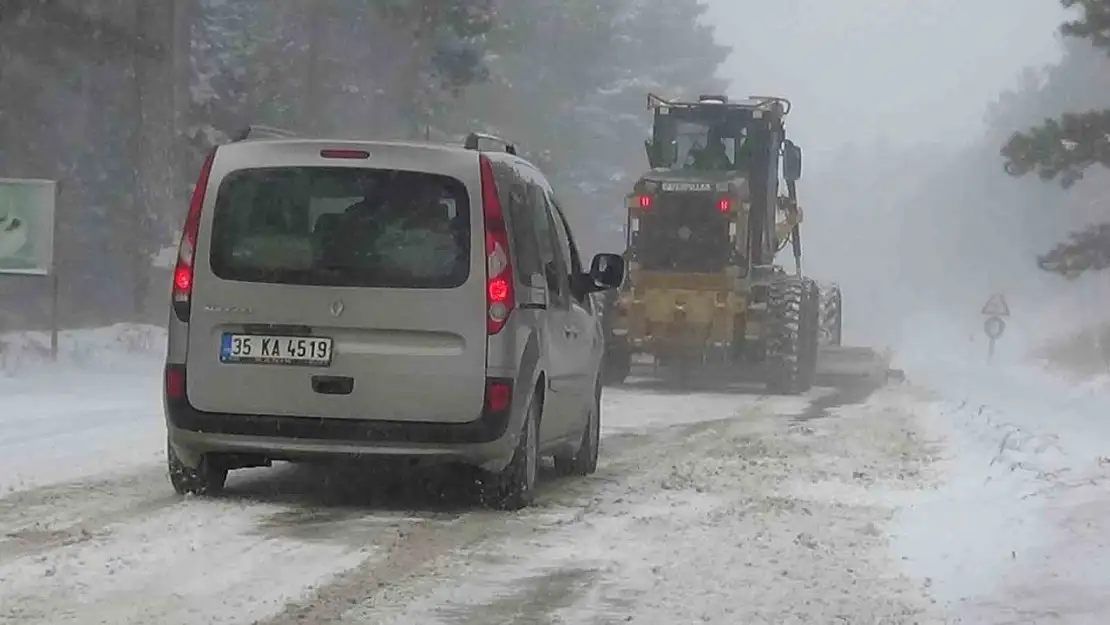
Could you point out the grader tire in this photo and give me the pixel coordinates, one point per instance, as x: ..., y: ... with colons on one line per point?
x: 792, y: 336
x: 832, y: 315
x: 811, y: 332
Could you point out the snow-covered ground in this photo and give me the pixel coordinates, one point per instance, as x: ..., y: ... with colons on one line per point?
x: 1017, y: 531
x: 972, y: 494
x: 96, y: 412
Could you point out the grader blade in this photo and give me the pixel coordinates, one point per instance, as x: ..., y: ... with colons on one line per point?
x: 839, y: 365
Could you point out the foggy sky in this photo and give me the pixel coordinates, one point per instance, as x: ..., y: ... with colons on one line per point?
x: 861, y: 70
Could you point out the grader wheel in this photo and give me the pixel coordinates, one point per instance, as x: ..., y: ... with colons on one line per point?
x: 792, y: 335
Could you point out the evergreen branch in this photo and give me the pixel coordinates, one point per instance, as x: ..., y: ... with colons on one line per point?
x: 1086, y: 250
x: 1094, y: 25
x: 1065, y: 148
x: 1061, y: 148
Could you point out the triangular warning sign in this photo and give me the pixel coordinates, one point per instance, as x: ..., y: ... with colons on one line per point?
x: 996, y: 306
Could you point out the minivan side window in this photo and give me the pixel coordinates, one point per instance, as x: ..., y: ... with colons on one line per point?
x: 563, y: 249
x: 572, y: 249
x: 567, y: 249
x: 561, y: 263
x: 526, y: 248
x: 553, y: 263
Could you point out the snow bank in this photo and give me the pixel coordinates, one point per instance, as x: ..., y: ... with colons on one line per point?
x: 97, y: 411
x: 1081, y: 355
x: 963, y: 536
x: 1024, y: 450
x: 1025, y: 401
x: 109, y: 346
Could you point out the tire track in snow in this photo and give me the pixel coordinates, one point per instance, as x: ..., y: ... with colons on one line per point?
x: 38, y: 520
x: 421, y: 551
x: 562, y: 504
x: 413, y: 549
x: 200, y: 562
x: 236, y: 558
x: 102, y: 549
x: 423, y: 554
x: 718, y: 521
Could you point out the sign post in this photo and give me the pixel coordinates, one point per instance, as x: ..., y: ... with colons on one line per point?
x: 27, y: 236
x: 995, y: 309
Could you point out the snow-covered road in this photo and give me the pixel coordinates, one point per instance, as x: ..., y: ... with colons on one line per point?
x: 707, y: 507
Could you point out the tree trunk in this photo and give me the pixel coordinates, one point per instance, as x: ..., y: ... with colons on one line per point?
x: 312, y: 113
x: 184, y: 18
x: 421, y: 23
x: 151, y: 146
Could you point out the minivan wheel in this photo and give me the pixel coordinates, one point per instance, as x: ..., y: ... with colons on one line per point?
x: 616, y: 364
x: 207, y: 479
x: 584, y: 461
x: 515, y: 486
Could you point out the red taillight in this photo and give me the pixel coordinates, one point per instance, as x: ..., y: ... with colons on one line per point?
x: 336, y: 153
x: 183, y: 279
x: 645, y: 201
x: 499, y: 269
x: 498, y: 290
x: 186, y: 250
x: 724, y: 205
x: 175, y: 382
x: 499, y: 395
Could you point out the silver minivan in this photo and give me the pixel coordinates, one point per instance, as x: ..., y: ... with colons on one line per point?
x: 344, y: 299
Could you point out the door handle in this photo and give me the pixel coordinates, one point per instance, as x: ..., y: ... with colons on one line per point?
x: 333, y: 384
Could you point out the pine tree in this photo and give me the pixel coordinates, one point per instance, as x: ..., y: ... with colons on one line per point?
x: 1063, y: 149
x: 441, y: 52
x: 667, y: 48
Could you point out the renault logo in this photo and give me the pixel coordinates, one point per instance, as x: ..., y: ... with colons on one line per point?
x: 336, y: 308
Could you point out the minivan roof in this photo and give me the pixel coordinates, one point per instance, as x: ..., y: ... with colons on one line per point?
x: 439, y: 146
x: 329, y: 140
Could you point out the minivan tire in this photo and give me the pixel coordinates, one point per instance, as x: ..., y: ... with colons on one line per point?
x: 514, y: 487
x: 616, y: 364
x: 206, y: 479
x: 584, y: 460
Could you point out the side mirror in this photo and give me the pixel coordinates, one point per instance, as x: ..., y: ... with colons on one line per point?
x: 791, y: 161
x: 649, y: 147
x: 607, y: 272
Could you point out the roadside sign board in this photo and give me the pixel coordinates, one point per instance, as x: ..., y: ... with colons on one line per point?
x: 995, y: 309
x: 996, y: 306
x: 27, y: 226
x: 994, y: 327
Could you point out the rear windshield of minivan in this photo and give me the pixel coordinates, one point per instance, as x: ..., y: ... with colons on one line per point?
x: 341, y: 226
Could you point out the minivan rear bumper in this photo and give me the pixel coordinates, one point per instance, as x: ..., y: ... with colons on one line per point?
x: 487, y: 441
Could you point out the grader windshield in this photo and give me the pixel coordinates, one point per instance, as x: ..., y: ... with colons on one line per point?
x: 683, y: 236
x: 706, y: 138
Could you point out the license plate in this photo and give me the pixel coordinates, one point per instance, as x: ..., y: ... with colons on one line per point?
x: 687, y: 186
x: 305, y: 351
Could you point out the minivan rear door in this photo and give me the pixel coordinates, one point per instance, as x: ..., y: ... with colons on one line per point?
x: 340, y: 288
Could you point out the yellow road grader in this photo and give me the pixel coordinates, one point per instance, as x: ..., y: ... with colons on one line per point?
x: 704, y: 297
